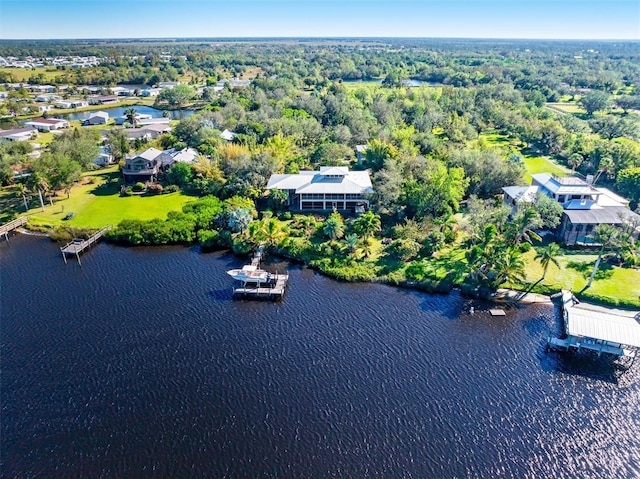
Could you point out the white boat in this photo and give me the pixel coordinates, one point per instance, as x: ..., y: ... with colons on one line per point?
x: 250, y: 274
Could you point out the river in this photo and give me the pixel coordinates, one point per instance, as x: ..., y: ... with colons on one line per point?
x: 140, y: 364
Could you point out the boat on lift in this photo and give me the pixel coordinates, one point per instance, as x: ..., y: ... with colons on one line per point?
x: 250, y: 274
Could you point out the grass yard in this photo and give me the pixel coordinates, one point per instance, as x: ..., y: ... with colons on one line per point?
x: 21, y: 75
x: 533, y: 163
x: 99, y: 203
x: 611, y: 283
x: 566, y: 108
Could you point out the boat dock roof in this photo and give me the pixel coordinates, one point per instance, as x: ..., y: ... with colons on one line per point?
x: 610, y: 325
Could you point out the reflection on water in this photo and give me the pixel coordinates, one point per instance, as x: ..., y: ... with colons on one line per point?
x: 140, y: 364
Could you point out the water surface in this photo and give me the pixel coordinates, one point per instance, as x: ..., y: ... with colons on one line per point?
x: 140, y: 364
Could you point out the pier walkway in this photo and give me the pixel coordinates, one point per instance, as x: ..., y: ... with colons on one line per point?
x: 6, y: 228
x: 78, y: 245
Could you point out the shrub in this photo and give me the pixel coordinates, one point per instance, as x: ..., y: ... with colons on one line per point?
x: 286, y: 216
x: 155, y: 189
x: 208, y: 238
x: 139, y: 187
x: 128, y: 191
x: 171, y: 189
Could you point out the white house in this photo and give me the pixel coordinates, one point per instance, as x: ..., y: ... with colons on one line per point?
x: 186, y: 155
x: 18, y: 134
x: 168, y: 84
x: 228, y: 135
x: 47, y: 98
x: 97, y: 118
x: 585, y: 205
x: 48, y: 124
x: 150, y: 92
x: 70, y: 104
x: 331, y: 188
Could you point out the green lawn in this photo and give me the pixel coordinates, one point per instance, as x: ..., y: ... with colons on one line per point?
x: 611, y: 282
x: 533, y: 163
x: 565, y: 108
x: 98, y: 204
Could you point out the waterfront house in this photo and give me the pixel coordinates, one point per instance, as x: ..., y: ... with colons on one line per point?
x: 97, y: 118
x: 48, y: 124
x: 103, y: 100
x: 47, y: 98
x: 331, y: 188
x: 18, y: 134
x: 150, y: 92
x: 144, y: 167
x: 121, y: 91
x: 585, y: 206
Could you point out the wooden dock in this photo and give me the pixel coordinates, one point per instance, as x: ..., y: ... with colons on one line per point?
x: 78, y: 245
x: 6, y: 228
x: 272, y: 290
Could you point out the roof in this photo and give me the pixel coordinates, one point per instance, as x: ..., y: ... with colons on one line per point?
x: 590, y: 321
x: 609, y: 198
x: 526, y: 194
x: 157, y: 127
x: 101, y: 114
x: 599, y: 215
x: 149, y: 154
x: 228, y: 135
x: 17, y: 132
x: 45, y: 121
x: 324, y: 181
x: 564, y: 186
x: 187, y: 155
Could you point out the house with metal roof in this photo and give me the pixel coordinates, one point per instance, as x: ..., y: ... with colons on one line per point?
x: 585, y: 205
x: 595, y: 328
x: 331, y: 188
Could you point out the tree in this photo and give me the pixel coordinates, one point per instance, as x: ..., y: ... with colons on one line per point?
x: 334, y: 226
x: 180, y: 174
x: 117, y: 144
x: 367, y: 224
x: 132, y: 116
x: 522, y: 227
x: 22, y: 191
x: 176, y: 97
x: 548, y: 256
x: 628, y: 183
x: 594, y: 101
x: 604, y: 235
x: 549, y: 210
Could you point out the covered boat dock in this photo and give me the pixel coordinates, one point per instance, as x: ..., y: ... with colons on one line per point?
x: 599, y: 329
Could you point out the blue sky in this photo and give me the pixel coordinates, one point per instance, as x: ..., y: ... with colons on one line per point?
x: 580, y: 19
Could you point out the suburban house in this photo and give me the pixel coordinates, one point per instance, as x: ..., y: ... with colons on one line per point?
x: 144, y: 167
x: 585, y: 205
x: 168, y: 84
x: 103, y: 100
x: 97, y: 118
x: 228, y: 135
x: 47, y: 124
x: 150, y: 92
x: 156, y: 129
x: 186, y: 155
x: 70, y: 104
x: 331, y: 188
x: 18, y: 134
x: 47, y: 98
x: 134, y: 133
x: 121, y: 91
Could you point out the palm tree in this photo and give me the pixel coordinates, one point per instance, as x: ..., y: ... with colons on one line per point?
x: 367, y: 224
x: 367, y: 248
x: 605, y: 235
x: 523, y: 225
x: 350, y: 243
x: 334, y: 227
x: 510, y: 267
x: 131, y: 115
x: 548, y: 256
x: 22, y: 190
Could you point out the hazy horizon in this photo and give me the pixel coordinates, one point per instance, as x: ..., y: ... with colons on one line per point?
x: 617, y: 20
